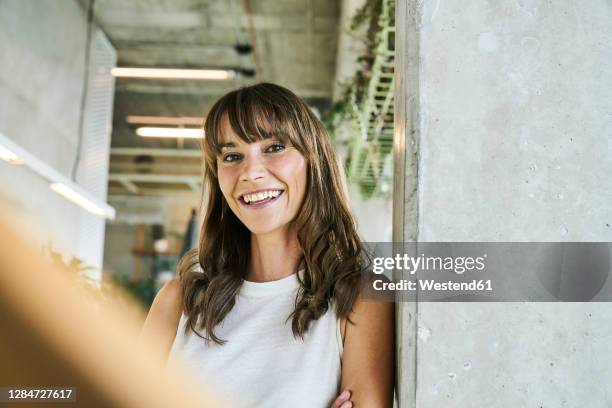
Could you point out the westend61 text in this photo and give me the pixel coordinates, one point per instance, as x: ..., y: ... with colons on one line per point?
x: 432, y: 285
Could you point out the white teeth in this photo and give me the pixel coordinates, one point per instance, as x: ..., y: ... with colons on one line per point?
x: 250, y: 198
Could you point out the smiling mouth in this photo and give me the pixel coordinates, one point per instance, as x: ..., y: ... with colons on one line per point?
x: 258, y: 199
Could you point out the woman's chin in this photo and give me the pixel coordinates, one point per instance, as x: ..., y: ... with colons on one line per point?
x: 258, y: 229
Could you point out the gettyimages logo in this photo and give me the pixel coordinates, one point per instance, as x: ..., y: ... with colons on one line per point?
x: 489, y: 272
x: 413, y: 264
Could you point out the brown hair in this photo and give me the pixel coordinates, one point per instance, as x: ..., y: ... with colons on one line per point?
x: 332, y: 252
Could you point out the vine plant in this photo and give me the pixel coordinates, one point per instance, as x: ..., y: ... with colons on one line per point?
x: 354, y: 92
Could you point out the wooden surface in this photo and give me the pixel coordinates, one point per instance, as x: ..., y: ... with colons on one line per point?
x: 55, y: 334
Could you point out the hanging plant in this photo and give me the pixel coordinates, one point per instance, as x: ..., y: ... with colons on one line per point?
x: 75, y: 267
x: 351, y: 106
x: 353, y: 90
x: 104, y: 291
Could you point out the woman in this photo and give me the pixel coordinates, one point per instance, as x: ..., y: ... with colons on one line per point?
x: 268, y: 309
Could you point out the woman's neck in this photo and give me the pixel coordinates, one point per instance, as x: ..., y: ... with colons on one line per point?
x: 274, y: 256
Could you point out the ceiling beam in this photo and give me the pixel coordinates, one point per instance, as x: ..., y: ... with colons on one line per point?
x: 129, y: 186
x: 200, y: 88
x: 195, y: 187
x: 146, y: 151
x: 145, y: 195
x: 155, y: 178
x: 173, y: 47
x: 165, y: 120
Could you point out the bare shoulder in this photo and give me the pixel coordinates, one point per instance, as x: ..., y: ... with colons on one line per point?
x: 167, y: 307
x: 171, y: 290
x: 164, y: 316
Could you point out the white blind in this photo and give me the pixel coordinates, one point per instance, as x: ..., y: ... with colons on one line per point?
x: 92, y: 171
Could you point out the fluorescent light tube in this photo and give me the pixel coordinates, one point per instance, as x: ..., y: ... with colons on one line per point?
x: 165, y: 120
x: 58, y: 182
x: 173, y: 73
x: 184, y: 133
x: 9, y: 156
x: 77, y: 198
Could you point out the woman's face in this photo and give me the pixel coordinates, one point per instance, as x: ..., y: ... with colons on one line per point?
x: 263, y: 182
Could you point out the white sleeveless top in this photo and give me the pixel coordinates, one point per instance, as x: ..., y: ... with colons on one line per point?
x: 262, y: 364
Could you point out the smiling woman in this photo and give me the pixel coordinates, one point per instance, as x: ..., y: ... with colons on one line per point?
x: 267, y: 310
x: 268, y: 176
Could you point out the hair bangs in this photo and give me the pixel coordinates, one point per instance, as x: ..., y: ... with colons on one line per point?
x: 252, y: 116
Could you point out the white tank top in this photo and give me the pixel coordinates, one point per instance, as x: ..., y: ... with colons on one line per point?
x: 262, y: 364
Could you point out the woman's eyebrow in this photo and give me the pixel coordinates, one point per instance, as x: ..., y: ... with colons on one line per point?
x: 227, y: 145
x: 232, y: 144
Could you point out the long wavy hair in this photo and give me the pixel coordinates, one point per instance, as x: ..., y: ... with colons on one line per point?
x: 211, y: 275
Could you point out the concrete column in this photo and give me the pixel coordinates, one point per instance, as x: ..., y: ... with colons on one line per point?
x: 405, y: 161
x: 508, y: 105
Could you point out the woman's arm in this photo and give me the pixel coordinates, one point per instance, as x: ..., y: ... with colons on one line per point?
x: 368, y: 360
x: 163, y: 318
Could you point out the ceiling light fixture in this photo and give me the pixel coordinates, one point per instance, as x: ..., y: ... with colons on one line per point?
x: 173, y: 73
x: 9, y: 156
x: 77, y: 198
x: 183, y: 133
x: 57, y: 181
x: 164, y: 120
x: 243, y: 48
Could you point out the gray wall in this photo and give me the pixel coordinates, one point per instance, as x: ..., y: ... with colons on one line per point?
x: 513, y: 119
x: 41, y: 83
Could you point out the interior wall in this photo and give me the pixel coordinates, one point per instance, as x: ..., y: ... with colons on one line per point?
x: 41, y: 84
x: 373, y: 216
x: 118, y: 257
x: 514, y: 139
x: 172, y: 212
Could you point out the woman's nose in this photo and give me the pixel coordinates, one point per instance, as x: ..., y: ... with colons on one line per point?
x: 253, y: 168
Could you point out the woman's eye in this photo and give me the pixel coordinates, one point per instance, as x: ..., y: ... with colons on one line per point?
x: 276, y: 147
x: 231, y: 157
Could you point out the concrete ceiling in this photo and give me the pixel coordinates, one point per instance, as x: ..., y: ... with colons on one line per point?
x: 295, y: 46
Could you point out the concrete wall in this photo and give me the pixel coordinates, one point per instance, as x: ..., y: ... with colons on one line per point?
x: 350, y: 46
x: 514, y: 135
x: 43, y: 47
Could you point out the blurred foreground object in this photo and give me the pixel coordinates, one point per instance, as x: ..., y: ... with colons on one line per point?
x: 57, y: 335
